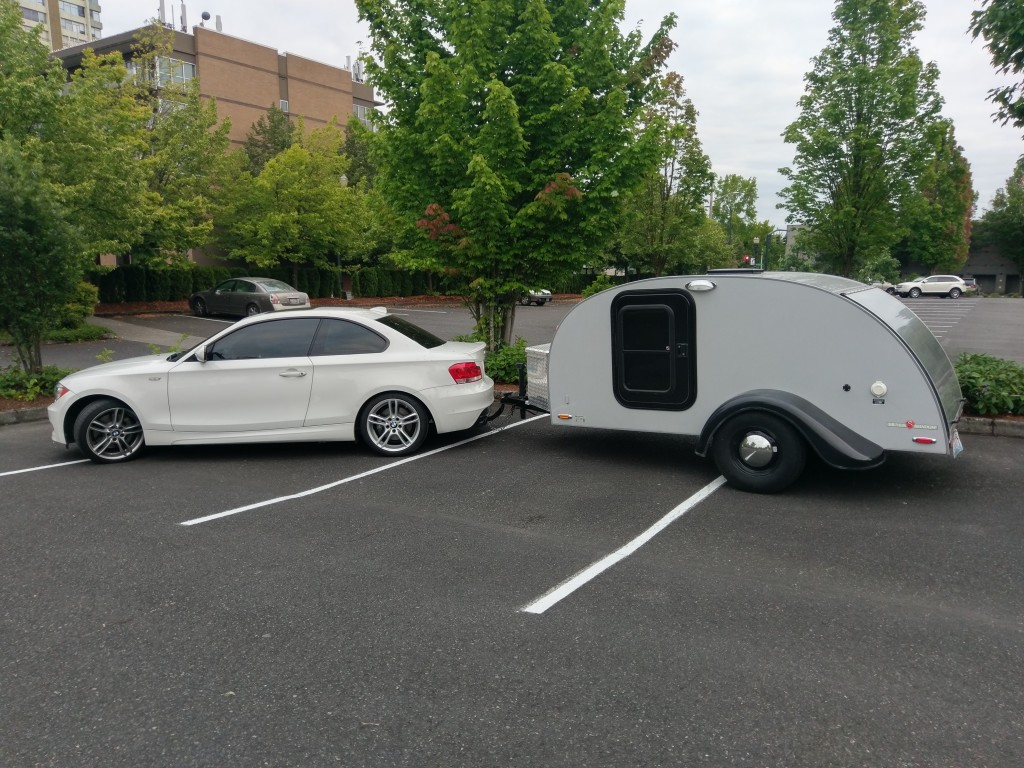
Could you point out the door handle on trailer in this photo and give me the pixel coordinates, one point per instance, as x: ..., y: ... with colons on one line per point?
x: 291, y: 373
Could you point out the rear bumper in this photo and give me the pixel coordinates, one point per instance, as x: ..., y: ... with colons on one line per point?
x: 458, y: 407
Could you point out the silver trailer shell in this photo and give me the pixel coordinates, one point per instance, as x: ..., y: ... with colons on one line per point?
x: 856, y: 371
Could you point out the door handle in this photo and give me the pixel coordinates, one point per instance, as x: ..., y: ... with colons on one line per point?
x: 291, y: 373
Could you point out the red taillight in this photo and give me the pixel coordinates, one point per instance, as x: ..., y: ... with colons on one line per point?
x: 465, y: 373
x: 274, y: 299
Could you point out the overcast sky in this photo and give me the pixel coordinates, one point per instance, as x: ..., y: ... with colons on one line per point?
x: 743, y: 62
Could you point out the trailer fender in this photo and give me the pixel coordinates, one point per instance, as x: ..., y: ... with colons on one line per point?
x: 836, y: 444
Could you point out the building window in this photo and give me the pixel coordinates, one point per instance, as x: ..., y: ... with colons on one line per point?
x: 73, y: 26
x: 284, y: 105
x: 29, y: 15
x: 168, y: 71
x: 97, y: 33
x: 71, y: 9
x: 363, y: 113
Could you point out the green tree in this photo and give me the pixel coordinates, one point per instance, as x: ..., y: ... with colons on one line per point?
x: 664, y: 215
x: 513, y: 129
x: 185, y: 159
x: 938, y: 214
x: 39, y: 254
x: 1003, y: 223
x: 1001, y: 24
x: 73, y: 150
x: 296, y: 212
x: 269, y: 136
x: 734, y: 206
x: 860, y: 136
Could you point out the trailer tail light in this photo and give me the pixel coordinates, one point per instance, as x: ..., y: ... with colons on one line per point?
x: 466, y: 373
x: 925, y: 440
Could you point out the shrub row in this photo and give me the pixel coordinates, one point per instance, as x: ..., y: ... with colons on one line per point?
x: 991, y: 386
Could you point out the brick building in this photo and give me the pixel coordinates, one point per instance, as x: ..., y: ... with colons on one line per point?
x: 247, y: 78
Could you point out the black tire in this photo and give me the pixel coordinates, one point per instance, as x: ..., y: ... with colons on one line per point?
x: 891, y: 291
x: 251, y: 309
x: 914, y: 293
x: 955, y: 293
x: 524, y: 301
x: 394, y: 424
x: 759, y: 452
x: 199, y: 308
x: 109, y: 432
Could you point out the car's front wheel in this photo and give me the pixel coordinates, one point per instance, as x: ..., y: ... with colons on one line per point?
x: 394, y: 424
x: 914, y: 293
x: 199, y: 308
x: 955, y: 293
x: 759, y: 452
x: 108, y: 431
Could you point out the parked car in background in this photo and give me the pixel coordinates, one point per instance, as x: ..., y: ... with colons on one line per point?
x: 970, y: 285
x: 247, y: 296
x: 323, y: 375
x: 887, y: 287
x: 933, y: 285
x: 538, y: 296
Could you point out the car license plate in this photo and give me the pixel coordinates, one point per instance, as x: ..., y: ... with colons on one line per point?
x: 955, y: 444
x: 294, y: 301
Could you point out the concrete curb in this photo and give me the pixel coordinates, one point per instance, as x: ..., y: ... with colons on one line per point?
x: 21, y: 416
x: 981, y: 425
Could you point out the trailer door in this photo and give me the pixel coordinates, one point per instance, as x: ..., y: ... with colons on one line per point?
x: 654, y: 349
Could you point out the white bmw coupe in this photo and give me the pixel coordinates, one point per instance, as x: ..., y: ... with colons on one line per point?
x: 313, y: 375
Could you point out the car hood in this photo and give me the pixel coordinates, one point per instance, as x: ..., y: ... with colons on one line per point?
x: 133, y: 365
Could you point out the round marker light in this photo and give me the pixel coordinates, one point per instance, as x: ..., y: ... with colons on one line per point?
x: 878, y: 389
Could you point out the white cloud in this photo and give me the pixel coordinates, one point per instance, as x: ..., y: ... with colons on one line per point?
x: 743, y: 62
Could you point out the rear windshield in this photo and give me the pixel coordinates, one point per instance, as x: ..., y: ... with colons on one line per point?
x: 274, y: 285
x: 413, y: 331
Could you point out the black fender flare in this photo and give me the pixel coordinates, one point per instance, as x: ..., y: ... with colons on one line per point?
x: 836, y: 444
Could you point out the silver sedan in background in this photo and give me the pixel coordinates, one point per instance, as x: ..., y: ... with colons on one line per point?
x: 247, y: 296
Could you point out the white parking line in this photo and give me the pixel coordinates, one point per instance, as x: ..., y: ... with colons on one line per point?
x: 360, y: 476
x: 47, y: 466
x: 566, y: 588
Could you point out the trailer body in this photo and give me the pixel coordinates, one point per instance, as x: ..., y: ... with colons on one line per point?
x: 760, y: 367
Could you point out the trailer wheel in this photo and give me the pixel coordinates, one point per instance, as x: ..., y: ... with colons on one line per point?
x: 759, y: 452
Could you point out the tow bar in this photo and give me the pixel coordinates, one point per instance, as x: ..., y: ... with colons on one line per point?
x: 517, y: 400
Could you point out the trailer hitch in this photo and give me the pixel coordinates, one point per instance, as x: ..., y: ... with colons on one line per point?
x: 516, y: 400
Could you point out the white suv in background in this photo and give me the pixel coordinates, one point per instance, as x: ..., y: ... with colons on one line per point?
x: 933, y: 285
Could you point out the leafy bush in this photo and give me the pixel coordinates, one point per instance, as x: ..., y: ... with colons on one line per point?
x: 501, y: 364
x: 73, y: 314
x: 991, y: 386
x: 18, y: 385
x: 601, y: 283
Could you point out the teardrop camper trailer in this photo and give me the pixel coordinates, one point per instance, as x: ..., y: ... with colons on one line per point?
x: 760, y: 367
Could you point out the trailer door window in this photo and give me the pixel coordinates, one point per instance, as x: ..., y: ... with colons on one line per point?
x: 653, y: 350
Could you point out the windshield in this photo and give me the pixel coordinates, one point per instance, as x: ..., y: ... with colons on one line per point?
x: 411, y: 330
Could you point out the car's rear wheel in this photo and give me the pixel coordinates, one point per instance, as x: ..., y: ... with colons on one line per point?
x: 759, y: 452
x: 199, y: 308
x: 914, y: 293
x: 251, y: 309
x: 108, y: 431
x: 394, y: 424
x: 955, y: 293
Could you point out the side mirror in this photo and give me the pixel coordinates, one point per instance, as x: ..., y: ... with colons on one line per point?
x: 200, y: 353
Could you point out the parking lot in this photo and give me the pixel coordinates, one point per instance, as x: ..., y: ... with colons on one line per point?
x: 519, y: 596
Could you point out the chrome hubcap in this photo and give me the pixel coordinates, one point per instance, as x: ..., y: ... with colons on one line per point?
x: 757, y: 450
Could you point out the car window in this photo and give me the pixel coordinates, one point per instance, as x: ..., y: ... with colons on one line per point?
x: 274, y: 285
x: 342, y: 337
x: 244, y: 286
x: 411, y: 330
x: 277, y: 338
x: 226, y: 287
